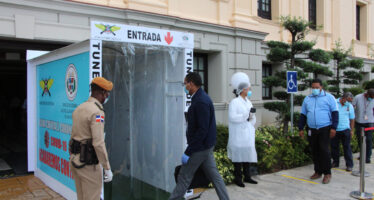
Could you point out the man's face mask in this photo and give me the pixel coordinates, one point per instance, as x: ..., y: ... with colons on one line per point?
x: 185, y: 90
x: 316, y: 92
x: 344, y: 101
x: 107, y: 98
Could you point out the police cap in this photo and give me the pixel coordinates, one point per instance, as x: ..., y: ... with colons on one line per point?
x: 103, y: 83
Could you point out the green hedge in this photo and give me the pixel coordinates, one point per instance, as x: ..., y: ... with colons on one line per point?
x: 274, y: 151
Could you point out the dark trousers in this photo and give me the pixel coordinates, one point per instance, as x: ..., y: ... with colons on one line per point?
x: 369, y: 138
x: 205, y: 159
x: 241, y: 168
x: 345, y: 138
x: 320, y: 142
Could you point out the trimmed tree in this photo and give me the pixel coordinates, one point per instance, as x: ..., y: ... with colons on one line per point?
x: 298, y: 55
x: 347, y: 70
x: 367, y: 85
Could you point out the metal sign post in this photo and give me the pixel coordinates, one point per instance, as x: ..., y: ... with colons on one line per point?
x: 362, y: 194
x: 291, y: 89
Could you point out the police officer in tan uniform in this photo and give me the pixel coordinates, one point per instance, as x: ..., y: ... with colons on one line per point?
x: 87, y: 149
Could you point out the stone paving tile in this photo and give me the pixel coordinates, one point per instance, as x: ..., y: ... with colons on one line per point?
x: 40, y: 193
x: 52, y: 193
x: 26, y: 195
x: 26, y: 188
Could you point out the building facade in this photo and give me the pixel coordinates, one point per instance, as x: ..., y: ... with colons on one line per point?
x: 229, y: 34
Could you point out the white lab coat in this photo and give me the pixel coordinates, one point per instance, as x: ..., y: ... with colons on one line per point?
x: 241, y: 145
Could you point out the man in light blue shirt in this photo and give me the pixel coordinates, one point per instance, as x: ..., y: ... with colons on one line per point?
x: 320, y: 112
x: 344, y: 132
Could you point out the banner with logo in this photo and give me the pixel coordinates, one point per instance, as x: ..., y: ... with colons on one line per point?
x: 136, y: 34
x: 62, y: 85
x: 105, y: 31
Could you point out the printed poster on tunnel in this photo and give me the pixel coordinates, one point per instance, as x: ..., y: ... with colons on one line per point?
x: 62, y: 85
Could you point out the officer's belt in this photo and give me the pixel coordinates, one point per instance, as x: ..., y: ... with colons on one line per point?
x: 87, y: 153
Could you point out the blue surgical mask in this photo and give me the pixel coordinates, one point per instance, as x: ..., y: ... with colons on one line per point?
x: 316, y: 92
x: 185, y: 90
x: 369, y: 99
x: 249, y: 94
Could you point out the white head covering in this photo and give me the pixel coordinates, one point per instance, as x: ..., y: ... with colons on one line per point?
x: 239, y: 82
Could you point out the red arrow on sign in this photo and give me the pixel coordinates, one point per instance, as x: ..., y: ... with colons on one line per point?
x: 168, y: 38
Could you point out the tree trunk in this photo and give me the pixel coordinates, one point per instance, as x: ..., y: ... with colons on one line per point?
x: 292, y: 52
x: 338, y: 78
x: 285, y: 127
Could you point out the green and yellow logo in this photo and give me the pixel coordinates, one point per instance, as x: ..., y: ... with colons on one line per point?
x: 107, y: 28
x: 46, y: 85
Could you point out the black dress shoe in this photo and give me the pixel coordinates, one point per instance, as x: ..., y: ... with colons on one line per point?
x: 239, y: 183
x: 368, y: 161
x: 334, y: 165
x: 249, y: 180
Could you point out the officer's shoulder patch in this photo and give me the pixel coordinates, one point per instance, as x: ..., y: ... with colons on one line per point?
x: 100, y: 118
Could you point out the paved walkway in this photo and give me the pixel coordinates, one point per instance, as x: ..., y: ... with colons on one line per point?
x: 288, y: 184
x: 26, y: 188
x: 295, y: 184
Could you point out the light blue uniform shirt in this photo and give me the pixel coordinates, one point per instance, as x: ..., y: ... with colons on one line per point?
x: 318, y: 109
x: 346, y: 113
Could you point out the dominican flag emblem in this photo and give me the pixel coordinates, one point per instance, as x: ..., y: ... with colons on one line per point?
x: 99, y: 118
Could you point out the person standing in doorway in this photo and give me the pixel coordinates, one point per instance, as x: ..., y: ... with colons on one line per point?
x: 88, y: 155
x: 344, y: 132
x: 364, y: 105
x: 320, y: 112
x: 201, y: 139
x: 241, y: 145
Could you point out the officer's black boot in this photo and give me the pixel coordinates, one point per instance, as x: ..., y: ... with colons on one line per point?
x: 238, y: 174
x: 247, y: 174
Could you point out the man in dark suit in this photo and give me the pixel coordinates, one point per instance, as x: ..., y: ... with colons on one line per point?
x: 201, y: 138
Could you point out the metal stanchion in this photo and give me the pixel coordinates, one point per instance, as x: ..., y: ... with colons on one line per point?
x: 362, y: 194
x: 362, y: 154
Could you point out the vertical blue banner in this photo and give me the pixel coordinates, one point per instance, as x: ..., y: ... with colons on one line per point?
x: 291, y: 81
x: 62, y: 85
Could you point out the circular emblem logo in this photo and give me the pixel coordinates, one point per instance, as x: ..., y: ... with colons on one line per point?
x: 71, y: 82
x: 46, y: 139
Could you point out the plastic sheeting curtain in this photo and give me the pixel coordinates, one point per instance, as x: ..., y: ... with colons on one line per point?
x: 144, y: 119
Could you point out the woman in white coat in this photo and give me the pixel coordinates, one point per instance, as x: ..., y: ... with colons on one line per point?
x: 241, y: 145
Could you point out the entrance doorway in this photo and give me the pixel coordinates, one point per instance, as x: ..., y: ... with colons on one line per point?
x: 13, y: 120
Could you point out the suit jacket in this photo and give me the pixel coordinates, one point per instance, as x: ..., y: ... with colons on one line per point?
x: 201, y: 129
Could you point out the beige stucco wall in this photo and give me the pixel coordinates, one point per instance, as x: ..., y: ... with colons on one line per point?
x: 336, y: 16
x: 226, y: 35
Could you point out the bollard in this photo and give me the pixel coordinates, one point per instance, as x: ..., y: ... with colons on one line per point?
x: 362, y: 194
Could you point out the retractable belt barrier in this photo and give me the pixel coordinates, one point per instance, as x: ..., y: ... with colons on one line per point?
x: 362, y: 194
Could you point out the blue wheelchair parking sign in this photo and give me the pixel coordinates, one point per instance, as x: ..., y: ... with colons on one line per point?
x: 291, y: 82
